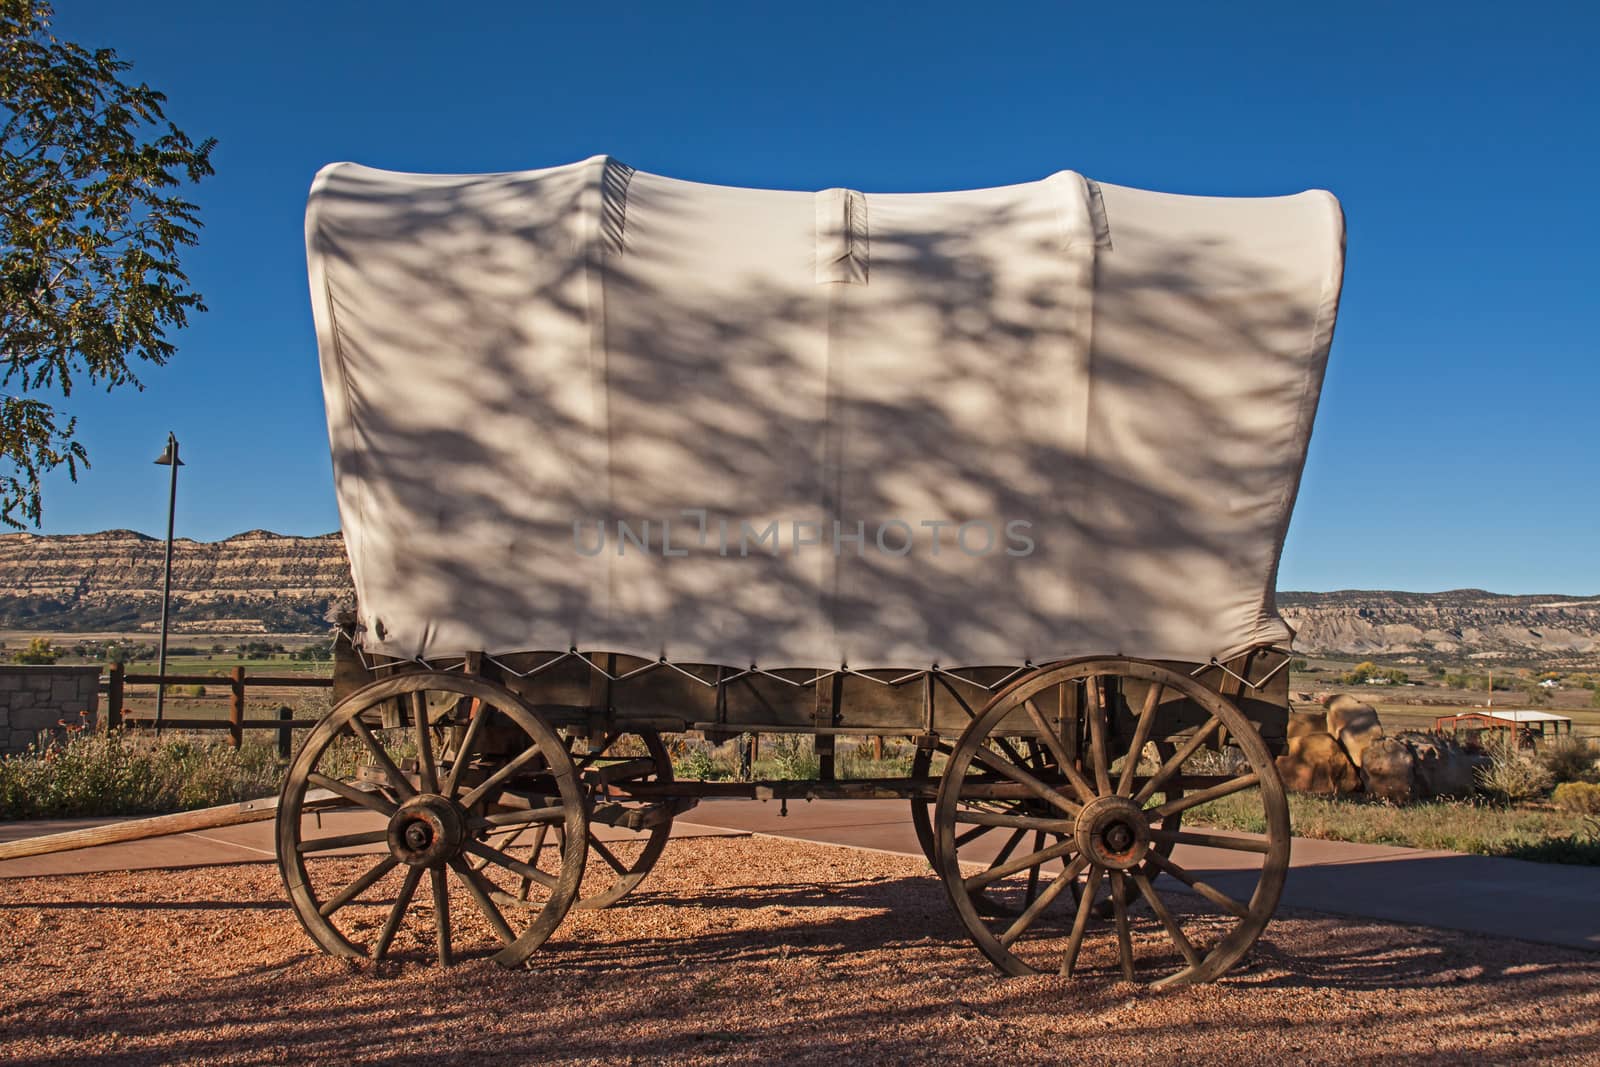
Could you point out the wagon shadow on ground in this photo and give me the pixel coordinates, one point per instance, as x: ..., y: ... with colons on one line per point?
x: 745, y: 970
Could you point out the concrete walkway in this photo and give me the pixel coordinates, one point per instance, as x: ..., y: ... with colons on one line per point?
x: 1551, y: 903
x: 1548, y: 903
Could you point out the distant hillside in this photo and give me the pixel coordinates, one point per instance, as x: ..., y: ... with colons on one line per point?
x: 1459, y: 624
x: 112, y: 581
x: 275, y: 584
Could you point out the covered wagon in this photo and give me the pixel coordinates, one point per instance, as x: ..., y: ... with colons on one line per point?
x: 618, y: 457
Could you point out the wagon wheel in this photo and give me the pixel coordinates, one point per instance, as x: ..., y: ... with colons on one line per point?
x: 608, y: 765
x: 1105, y: 823
x: 436, y: 769
x: 1008, y: 838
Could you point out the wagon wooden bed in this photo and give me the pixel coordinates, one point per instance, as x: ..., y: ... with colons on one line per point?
x: 1122, y: 382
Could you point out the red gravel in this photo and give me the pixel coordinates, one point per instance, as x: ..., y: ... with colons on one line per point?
x: 741, y: 951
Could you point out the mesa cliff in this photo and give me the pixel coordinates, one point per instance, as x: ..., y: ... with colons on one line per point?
x: 253, y: 581
x: 272, y: 583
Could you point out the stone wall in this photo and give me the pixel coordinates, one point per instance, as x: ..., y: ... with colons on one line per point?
x: 34, y: 700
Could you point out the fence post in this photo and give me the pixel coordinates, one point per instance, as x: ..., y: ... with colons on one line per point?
x: 285, y: 737
x: 236, y: 708
x: 114, y: 697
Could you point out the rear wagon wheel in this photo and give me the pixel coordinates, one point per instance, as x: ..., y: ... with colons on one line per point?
x: 1095, y: 823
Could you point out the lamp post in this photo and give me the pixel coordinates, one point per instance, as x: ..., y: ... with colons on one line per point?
x: 168, y: 458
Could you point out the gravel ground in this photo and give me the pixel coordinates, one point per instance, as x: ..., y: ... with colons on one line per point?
x: 741, y: 951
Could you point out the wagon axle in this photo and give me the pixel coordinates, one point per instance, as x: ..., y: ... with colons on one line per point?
x: 427, y: 831
x: 1113, y: 832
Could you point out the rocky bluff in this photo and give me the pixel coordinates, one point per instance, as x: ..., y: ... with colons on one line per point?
x: 112, y: 581
x: 276, y: 584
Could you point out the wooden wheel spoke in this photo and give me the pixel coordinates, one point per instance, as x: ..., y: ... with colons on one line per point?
x: 595, y: 753
x: 1179, y: 758
x: 1190, y: 800
x: 1026, y: 780
x: 1080, y: 922
x: 1210, y: 892
x: 359, y: 886
x: 1023, y: 822
x: 606, y: 854
x: 427, y: 768
x: 441, y: 914
x: 1223, y: 841
x: 500, y: 859
x: 1012, y: 866
x: 328, y: 844
x: 976, y: 832
x: 1162, y: 912
x: 477, y: 713
x: 1033, y: 872
x: 391, y: 925
x: 396, y: 779
x: 364, y: 797
x: 1080, y: 785
x: 489, y: 784
x: 480, y: 897
x: 1010, y: 750
x: 1057, y: 886
x: 504, y: 820
x: 1119, y: 910
x: 1141, y: 736
x: 1097, y: 735
x: 1008, y: 848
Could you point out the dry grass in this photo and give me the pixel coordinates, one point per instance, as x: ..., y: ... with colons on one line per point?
x: 1540, y: 834
x: 743, y: 951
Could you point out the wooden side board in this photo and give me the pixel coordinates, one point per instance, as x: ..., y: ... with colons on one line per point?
x: 614, y: 689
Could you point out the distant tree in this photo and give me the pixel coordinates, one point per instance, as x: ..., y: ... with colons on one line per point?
x: 90, y: 232
x: 39, y: 652
x: 1595, y: 698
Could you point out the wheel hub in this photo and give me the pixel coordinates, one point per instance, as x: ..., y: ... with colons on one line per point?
x: 426, y: 831
x: 1113, y: 832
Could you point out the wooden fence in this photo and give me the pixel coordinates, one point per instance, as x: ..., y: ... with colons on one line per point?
x: 118, y: 679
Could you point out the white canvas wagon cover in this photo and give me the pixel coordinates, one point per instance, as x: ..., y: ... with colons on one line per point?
x: 592, y: 407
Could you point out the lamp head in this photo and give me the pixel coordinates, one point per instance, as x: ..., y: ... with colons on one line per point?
x: 169, y: 455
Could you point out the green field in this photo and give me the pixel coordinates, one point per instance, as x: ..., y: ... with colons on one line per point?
x: 1425, y: 696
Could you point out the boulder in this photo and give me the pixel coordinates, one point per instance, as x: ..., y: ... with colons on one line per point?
x: 1355, y: 724
x: 1442, y: 766
x: 1413, y: 766
x: 1315, y: 763
x: 1307, y: 722
x: 1388, y: 770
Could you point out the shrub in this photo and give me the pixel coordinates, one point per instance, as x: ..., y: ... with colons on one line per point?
x: 1569, y: 759
x: 857, y: 761
x: 793, y: 757
x: 39, y: 652
x: 1580, y: 798
x: 1512, y: 776
x: 697, y: 761
x: 118, y: 774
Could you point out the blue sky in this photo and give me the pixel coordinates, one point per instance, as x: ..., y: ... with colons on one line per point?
x: 1456, y: 444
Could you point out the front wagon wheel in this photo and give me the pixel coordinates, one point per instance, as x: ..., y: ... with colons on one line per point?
x: 399, y: 824
x: 1081, y: 888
